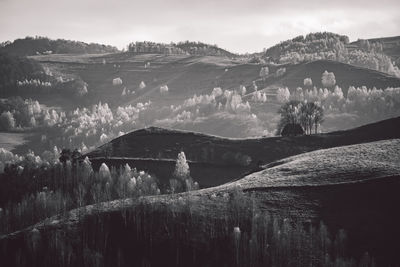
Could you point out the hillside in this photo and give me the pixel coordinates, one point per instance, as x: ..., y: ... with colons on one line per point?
x: 310, y: 187
x: 187, y: 75
x: 346, y: 75
x: 214, y: 160
x: 184, y: 75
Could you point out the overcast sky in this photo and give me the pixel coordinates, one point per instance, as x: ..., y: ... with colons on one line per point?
x: 237, y: 25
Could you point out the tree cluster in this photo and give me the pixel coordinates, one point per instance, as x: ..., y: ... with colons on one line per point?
x: 308, y: 114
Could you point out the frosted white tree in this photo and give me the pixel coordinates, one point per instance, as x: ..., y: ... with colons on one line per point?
x: 104, y: 172
x: 308, y: 82
x: 82, y: 89
x: 181, y: 167
x: 142, y: 85
x: 182, y: 180
x: 264, y: 72
x: 255, y: 85
x: 164, y: 89
x: 242, y: 90
x: 280, y: 72
x: 217, y: 91
x: 117, y: 81
x: 328, y: 79
x: 283, y: 95
x: 103, y: 138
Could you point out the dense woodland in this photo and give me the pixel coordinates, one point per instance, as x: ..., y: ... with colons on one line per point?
x: 190, y: 48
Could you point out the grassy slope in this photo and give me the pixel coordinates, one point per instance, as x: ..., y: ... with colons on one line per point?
x: 188, y: 75
x: 184, y: 75
x: 346, y: 75
x: 346, y: 164
x: 213, y: 158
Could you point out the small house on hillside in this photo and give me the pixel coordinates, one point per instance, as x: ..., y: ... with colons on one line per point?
x: 292, y: 129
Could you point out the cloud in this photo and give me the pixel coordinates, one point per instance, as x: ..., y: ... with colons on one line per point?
x: 240, y: 26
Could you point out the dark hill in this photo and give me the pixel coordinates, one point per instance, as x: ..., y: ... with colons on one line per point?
x: 215, y: 160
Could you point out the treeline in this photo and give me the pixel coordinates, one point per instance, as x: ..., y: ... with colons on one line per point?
x: 330, y: 46
x: 199, y: 48
x: 152, y: 47
x: 29, y: 46
x: 187, y: 47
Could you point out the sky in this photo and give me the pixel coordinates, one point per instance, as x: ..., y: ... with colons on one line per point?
x: 237, y: 25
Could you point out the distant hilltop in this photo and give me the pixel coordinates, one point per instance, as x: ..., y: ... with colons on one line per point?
x: 30, y: 46
x: 187, y: 47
